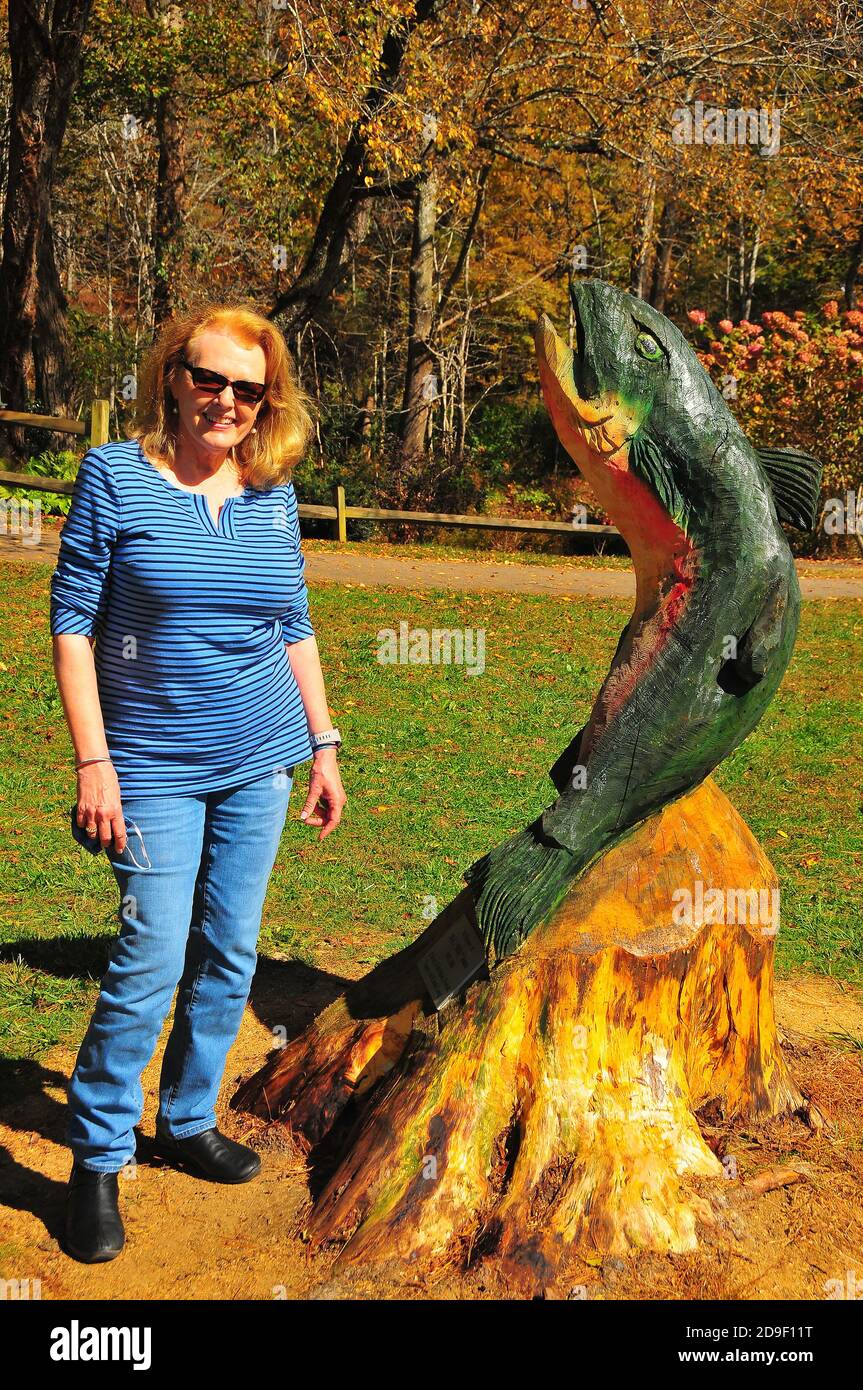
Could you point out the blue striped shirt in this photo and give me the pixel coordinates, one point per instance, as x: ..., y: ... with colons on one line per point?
x: 190, y: 617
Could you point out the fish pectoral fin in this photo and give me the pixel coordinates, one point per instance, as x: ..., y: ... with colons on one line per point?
x: 795, y: 479
x: 741, y: 673
x: 562, y: 769
x: 653, y: 466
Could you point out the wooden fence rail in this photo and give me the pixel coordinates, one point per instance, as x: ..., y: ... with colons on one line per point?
x: 338, y: 512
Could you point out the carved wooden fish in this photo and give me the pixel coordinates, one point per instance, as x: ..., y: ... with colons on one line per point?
x: 717, y: 597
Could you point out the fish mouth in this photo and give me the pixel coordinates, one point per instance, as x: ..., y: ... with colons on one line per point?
x: 597, y: 433
x: 590, y: 430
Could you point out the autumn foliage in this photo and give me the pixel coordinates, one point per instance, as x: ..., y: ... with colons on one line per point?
x: 404, y: 186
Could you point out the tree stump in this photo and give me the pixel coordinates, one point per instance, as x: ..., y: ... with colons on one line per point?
x: 552, y: 1108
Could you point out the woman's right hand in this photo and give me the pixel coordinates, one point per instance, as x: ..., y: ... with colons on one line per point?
x: 99, y: 804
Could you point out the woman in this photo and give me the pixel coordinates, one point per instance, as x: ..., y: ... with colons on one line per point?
x: 180, y: 559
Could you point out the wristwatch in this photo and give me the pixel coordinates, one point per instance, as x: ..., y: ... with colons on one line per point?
x: 330, y: 738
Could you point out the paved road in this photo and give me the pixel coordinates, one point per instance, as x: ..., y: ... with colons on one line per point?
x: 461, y: 575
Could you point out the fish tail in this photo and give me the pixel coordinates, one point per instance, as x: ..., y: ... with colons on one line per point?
x: 517, y: 884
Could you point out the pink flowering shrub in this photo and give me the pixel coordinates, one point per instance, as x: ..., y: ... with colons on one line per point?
x: 797, y: 381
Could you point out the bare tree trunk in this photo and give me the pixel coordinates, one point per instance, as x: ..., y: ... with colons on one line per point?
x: 460, y: 424
x: 331, y: 245
x: 419, y: 392
x: 460, y: 266
x: 750, y: 276
x: 643, y: 232
x: 597, y: 223
x: 170, y: 206
x: 849, y: 292
x: 109, y: 256
x: 131, y: 196
x: 382, y: 388
x: 668, y: 244
x: 170, y: 199
x: 365, y: 416
x: 746, y: 271
x: 55, y: 386
x: 45, y: 52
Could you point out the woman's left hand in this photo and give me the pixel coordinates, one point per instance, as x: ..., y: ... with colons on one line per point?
x: 326, y: 799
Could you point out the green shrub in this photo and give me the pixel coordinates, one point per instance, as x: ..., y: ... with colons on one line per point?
x: 49, y: 464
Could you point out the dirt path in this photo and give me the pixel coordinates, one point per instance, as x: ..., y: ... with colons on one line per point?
x: 471, y: 576
x: 192, y: 1239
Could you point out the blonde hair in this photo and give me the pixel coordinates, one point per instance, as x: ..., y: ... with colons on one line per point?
x: 284, y: 423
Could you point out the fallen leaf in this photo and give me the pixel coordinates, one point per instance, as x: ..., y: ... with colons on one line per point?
x: 771, y: 1179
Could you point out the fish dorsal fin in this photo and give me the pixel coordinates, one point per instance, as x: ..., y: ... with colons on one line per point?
x: 795, y: 478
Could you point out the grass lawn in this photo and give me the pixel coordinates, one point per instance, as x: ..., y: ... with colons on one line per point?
x: 438, y: 765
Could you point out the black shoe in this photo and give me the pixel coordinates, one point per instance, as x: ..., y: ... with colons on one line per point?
x: 211, y: 1154
x: 94, y: 1229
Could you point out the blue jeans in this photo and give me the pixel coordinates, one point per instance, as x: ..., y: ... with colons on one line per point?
x: 189, y: 917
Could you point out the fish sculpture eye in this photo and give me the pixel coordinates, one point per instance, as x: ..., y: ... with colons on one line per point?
x: 648, y: 346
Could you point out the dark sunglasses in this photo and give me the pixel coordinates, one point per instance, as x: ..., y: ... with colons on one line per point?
x: 213, y: 382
